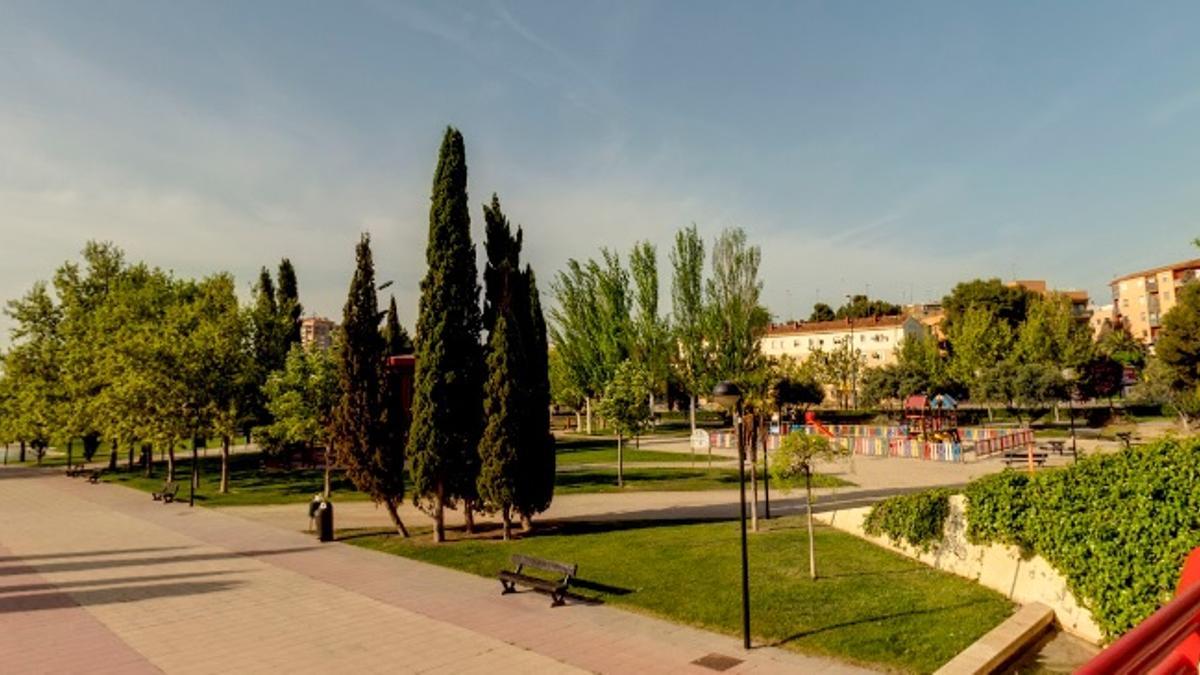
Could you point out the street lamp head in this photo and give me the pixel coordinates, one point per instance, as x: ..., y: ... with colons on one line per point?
x: 727, y: 394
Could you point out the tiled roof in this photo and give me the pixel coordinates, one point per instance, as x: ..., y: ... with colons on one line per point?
x: 1185, y: 265
x: 838, y: 325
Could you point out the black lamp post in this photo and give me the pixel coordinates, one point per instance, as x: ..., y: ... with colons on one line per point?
x: 729, y: 397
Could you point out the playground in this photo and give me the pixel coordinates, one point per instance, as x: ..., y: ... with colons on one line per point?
x: 928, y: 429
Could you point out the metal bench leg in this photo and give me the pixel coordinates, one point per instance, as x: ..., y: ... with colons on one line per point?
x: 509, y: 587
x: 559, y: 599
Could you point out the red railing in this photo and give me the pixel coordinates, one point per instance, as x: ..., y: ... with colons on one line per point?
x: 1166, y: 643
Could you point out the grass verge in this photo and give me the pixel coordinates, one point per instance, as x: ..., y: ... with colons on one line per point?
x: 868, y: 605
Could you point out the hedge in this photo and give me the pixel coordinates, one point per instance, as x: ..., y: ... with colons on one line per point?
x: 1117, y: 526
x: 918, y: 518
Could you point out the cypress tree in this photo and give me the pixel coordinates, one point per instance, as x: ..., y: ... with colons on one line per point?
x: 500, y: 447
x: 447, y: 408
x: 538, y: 457
x: 288, y: 305
x: 395, y: 338
x: 361, y: 431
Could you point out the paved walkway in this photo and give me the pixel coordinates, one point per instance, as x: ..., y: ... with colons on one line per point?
x: 99, y: 578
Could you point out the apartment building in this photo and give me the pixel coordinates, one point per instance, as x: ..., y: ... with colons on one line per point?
x: 1080, y: 303
x: 1141, y: 299
x: 1102, y: 315
x: 875, y: 337
x: 316, y: 331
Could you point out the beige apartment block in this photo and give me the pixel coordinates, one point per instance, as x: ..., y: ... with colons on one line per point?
x: 875, y: 337
x: 1141, y: 299
x: 316, y: 331
x: 1080, y: 305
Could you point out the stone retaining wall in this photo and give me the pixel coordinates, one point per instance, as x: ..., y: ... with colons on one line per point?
x: 999, y: 567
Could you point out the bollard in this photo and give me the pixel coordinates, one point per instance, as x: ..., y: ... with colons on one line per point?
x: 325, y: 521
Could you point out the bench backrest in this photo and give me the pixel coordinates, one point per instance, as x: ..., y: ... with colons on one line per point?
x: 542, y: 564
x: 172, y: 486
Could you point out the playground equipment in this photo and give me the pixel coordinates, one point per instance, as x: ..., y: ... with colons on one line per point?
x: 810, y: 418
x: 932, y: 419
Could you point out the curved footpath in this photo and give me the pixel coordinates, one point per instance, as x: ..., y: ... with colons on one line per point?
x: 99, y: 578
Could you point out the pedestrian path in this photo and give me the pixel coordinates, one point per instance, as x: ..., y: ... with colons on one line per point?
x: 101, y: 578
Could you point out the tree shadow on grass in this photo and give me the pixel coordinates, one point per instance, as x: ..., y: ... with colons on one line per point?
x: 872, y: 619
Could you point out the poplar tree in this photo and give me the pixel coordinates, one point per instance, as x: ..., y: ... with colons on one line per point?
x: 447, y: 408
x: 374, y: 461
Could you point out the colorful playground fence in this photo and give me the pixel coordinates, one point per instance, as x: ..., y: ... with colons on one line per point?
x: 892, y: 441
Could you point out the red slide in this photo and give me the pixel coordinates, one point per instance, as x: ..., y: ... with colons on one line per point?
x: 810, y: 418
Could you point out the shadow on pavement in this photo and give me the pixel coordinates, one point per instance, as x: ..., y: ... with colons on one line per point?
x: 82, y: 565
x: 29, y: 588
x: 88, y: 554
x: 105, y: 596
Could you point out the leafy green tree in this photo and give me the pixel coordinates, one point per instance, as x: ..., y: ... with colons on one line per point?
x: 626, y: 406
x: 649, y: 339
x: 1178, y: 350
x: 395, y: 339
x: 839, y: 369
x: 861, y: 307
x: 374, y: 461
x: 690, y: 357
x: 1051, y: 335
x: 880, y: 385
x: 822, y: 312
x: 736, y: 318
x: 922, y: 368
x: 33, y: 365
x: 979, y: 341
x: 1117, y: 343
x: 793, y: 463
x: 1007, y: 304
x: 538, y: 461
x: 1101, y: 377
x: 564, y: 390
x: 447, y: 399
x: 500, y: 447
x: 301, y: 399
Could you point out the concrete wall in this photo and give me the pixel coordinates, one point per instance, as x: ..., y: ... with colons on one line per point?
x: 998, y: 567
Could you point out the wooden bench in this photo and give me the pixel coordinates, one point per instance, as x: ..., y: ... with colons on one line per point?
x: 76, y: 471
x: 168, y: 492
x: 1018, y: 457
x: 557, y: 588
x: 94, y: 476
x: 1054, y: 446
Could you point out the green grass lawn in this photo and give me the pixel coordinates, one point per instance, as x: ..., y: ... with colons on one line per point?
x: 869, y: 605
x: 585, y: 450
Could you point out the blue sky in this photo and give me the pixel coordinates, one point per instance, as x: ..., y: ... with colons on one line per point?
x: 896, y: 146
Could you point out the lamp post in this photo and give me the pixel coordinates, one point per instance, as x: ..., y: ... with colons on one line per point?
x: 1071, y: 376
x: 850, y: 353
x: 728, y: 396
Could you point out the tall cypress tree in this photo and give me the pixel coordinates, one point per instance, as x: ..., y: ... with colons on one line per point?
x: 395, y: 338
x: 517, y: 450
x: 361, y: 433
x: 447, y: 408
x: 538, y: 459
x: 288, y: 305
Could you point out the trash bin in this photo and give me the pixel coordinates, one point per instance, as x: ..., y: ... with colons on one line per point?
x: 325, y: 521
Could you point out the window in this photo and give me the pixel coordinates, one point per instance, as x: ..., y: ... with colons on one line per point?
x: 796, y: 342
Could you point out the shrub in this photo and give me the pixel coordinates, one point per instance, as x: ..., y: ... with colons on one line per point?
x: 918, y: 518
x: 1118, y: 527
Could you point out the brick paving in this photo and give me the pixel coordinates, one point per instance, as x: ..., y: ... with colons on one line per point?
x: 99, y: 578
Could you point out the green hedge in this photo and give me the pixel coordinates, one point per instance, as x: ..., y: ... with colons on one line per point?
x: 918, y: 518
x: 1118, y: 526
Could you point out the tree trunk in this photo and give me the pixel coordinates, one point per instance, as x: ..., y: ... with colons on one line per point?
x: 468, y: 517
x: 22, y: 452
x: 131, y: 446
x: 170, y: 462
x: 148, y: 458
x: 587, y: 402
x: 70, y: 448
x: 620, y: 463
x: 812, y: 554
x: 526, y: 523
x: 692, y: 411
x: 327, y: 487
x: 578, y: 421
x: 112, y: 457
x: 439, y: 514
x: 225, y: 467
x: 506, y: 519
x: 394, y: 513
x: 1056, y: 417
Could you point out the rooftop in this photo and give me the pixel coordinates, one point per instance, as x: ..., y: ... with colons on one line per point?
x: 1186, y: 264
x: 838, y: 325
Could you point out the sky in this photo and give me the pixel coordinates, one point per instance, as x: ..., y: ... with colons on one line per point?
x: 887, y: 148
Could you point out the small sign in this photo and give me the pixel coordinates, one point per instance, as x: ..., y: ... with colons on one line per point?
x: 700, y: 440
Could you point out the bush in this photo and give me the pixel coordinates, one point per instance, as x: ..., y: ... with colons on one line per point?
x: 1118, y: 527
x: 918, y: 518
